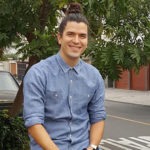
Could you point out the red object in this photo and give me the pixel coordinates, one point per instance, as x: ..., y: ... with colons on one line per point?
x: 131, y: 80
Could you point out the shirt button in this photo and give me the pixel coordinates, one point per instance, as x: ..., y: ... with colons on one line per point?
x: 70, y: 81
x: 70, y: 97
x: 70, y: 136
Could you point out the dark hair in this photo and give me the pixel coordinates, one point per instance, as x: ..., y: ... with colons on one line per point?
x: 73, y: 13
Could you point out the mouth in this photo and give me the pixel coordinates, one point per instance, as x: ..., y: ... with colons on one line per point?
x: 75, y: 48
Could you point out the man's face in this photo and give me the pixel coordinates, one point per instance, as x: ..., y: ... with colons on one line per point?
x: 74, y: 39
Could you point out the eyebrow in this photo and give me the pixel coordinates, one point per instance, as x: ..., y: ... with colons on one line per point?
x: 75, y: 33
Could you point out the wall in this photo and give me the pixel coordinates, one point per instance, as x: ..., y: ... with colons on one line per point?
x: 140, y: 81
x: 4, y: 65
x: 131, y: 80
x: 124, y: 82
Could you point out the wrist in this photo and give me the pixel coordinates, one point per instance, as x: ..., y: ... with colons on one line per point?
x: 89, y: 148
x: 92, y: 147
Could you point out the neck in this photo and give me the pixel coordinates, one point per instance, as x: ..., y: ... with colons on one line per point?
x: 71, y: 61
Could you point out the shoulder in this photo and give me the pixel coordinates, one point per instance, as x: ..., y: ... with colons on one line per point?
x: 45, y: 63
x: 43, y: 67
x: 90, y: 69
x: 92, y: 75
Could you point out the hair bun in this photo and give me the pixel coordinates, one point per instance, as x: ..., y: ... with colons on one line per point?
x: 74, y: 8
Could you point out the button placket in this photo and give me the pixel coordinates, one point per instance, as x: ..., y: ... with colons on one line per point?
x: 70, y: 123
x: 71, y: 81
x: 70, y: 98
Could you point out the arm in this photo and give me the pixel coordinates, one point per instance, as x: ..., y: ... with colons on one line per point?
x: 33, y: 110
x: 41, y: 136
x: 97, y: 114
x: 96, y: 133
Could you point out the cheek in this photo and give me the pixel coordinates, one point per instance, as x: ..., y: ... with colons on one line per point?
x: 66, y: 41
x: 85, y: 44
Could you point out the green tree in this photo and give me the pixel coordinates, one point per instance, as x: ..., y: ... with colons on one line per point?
x: 31, y: 24
x: 115, y: 28
x: 121, y: 32
x: 12, y: 132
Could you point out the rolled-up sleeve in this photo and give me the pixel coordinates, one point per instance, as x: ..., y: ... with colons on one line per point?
x: 96, y: 106
x: 33, y: 91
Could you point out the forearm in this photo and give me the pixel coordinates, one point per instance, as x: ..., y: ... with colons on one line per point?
x: 96, y: 132
x: 41, y: 136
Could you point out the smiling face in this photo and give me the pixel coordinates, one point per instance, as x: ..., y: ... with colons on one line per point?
x: 74, y: 40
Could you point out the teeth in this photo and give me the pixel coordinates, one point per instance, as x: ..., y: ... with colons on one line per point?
x: 75, y: 47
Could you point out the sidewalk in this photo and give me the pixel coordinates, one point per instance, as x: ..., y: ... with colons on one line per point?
x: 128, y: 96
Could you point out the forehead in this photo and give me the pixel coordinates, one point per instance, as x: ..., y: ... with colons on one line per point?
x: 76, y: 27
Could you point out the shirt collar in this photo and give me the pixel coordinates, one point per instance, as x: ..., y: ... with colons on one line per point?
x: 65, y: 67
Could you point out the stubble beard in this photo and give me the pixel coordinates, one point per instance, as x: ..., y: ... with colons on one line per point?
x: 74, y: 55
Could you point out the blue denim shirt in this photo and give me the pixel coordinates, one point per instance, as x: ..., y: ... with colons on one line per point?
x: 64, y: 100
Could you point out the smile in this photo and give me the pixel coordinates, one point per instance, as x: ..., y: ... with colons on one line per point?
x: 74, y: 47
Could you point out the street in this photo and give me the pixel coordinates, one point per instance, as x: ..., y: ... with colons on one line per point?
x: 127, y: 127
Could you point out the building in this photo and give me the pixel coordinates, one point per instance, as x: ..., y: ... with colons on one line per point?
x: 132, y: 81
x: 16, y: 68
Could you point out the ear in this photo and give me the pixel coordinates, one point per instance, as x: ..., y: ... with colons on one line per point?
x: 59, y: 37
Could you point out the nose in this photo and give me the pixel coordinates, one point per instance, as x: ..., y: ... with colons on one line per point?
x: 76, y: 39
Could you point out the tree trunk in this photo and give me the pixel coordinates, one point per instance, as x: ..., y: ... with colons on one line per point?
x: 1, y: 52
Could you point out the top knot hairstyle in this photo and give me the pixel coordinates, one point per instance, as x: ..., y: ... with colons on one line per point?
x: 73, y: 13
x: 74, y: 8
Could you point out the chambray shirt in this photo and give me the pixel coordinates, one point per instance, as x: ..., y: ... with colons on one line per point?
x: 64, y: 100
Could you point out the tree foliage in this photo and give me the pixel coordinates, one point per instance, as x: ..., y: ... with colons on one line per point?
x: 13, y: 133
x: 119, y: 31
x: 30, y: 23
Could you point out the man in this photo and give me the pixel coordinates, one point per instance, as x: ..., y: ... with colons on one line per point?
x: 64, y: 96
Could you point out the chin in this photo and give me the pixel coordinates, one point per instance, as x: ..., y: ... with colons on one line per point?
x: 74, y: 55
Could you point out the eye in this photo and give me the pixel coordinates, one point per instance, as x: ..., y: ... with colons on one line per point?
x: 70, y: 34
x: 83, y: 36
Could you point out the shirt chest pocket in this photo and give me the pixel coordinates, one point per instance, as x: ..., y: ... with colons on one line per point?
x: 54, y: 104
x: 53, y: 97
x: 84, y: 98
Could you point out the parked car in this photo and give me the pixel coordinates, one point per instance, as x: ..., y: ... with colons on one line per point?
x: 8, y: 89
